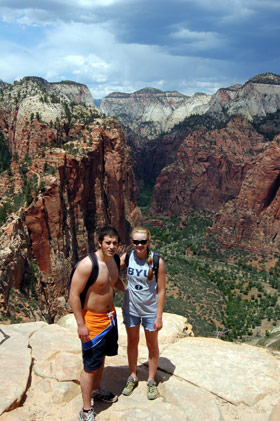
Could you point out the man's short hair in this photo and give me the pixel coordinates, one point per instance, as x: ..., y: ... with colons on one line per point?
x: 107, y: 230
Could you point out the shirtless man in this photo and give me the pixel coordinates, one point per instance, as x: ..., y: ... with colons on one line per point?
x: 96, y: 321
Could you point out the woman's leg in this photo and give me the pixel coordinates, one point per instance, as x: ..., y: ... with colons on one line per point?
x: 132, y: 348
x: 152, y: 344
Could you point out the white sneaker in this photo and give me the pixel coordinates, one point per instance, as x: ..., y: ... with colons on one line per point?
x: 86, y: 416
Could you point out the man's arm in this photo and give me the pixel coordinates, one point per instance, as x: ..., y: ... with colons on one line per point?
x: 78, y: 283
x: 161, y: 281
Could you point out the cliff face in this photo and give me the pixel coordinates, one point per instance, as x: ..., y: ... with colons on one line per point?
x: 151, y: 112
x: 34, y: 112
x: 232, y: 170
x: 66, y: 194
x: 258, y: 97
x: 252, y: 220
x: 208, y: 169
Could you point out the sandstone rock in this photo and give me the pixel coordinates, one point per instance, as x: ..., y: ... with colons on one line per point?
x: 199, y: 378
x: 50, y: 361
x: 275, y: 415
x: 251, y: 221
x: 152, y: 112
x: 236, y: 373
x: 208, y: 169
x: 15, y: 362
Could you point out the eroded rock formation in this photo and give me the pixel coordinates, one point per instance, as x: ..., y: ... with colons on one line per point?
x: 151, y: 112
x: 252, y: 220
x: 71, y: 172
x: 208, y: 169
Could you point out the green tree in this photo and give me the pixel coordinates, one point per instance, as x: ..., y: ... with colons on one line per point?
x: 5, y: 155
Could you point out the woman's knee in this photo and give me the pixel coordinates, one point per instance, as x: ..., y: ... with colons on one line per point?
x: 133, y: 342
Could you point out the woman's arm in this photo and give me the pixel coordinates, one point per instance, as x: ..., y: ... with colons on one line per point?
x: 161, y: 281
x: 120, y: 284
x: 122, y: 260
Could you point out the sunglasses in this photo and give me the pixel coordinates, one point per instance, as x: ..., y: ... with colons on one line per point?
x: 142, y: 242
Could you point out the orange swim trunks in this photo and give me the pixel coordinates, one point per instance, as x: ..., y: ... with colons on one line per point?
x: 98, y: 324
x: 104, y: 338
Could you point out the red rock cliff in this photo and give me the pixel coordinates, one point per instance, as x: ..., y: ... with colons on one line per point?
x: 208, y: 170
x: 252, y: 220
x: 75, y: 190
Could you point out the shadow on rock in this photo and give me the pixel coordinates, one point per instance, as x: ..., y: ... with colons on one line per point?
x: 114, y: 379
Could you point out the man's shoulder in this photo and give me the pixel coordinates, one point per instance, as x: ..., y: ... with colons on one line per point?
x: 86, y: 263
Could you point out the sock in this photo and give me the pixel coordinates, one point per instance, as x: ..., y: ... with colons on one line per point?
x: 96, y: 390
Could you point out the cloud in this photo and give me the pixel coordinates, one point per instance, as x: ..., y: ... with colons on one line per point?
x: 125, y: 45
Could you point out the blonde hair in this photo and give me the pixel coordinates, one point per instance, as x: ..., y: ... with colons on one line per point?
x: 144, y: 230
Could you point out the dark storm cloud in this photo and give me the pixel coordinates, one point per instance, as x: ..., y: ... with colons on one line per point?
x: 188, y: 45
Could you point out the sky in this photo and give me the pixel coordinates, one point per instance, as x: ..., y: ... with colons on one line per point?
x: 126, y: 45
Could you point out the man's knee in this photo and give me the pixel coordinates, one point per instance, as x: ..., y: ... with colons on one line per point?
x: 89, y: 373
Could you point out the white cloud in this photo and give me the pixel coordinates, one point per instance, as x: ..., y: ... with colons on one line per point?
x: 80, y: 40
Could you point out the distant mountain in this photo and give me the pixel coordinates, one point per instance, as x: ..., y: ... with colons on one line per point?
x: 97, y: 102
x: 151, y: 112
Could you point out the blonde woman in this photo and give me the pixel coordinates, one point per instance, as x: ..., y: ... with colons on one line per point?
x: 143, y: 303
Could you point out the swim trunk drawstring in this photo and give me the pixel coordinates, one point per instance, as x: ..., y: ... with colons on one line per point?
x: 111, y: 316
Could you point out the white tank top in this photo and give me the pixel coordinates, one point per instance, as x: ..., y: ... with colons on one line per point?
x: 140, y: 295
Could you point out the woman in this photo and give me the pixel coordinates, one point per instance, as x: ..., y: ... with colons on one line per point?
x: 143, y: 303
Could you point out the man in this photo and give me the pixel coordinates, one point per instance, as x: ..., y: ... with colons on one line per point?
x: 96, y: 320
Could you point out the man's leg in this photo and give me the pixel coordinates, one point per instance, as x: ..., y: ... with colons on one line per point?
x: 152, y: 344
x: 86, y: 382
x: 89, y: 381
x: 132, y: 348
x: 97, y: 376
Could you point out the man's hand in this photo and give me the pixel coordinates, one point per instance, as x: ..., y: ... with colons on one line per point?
x: 83, y: 333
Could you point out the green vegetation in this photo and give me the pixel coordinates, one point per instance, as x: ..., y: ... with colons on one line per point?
x: 210, y: 285
x: 268, y: 126
x: 145, y: 195
x: 210, y: 122
x: 5, y: 155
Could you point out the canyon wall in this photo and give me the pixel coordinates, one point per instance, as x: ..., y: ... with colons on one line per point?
x: 203, y: 158
x: 73, y: 173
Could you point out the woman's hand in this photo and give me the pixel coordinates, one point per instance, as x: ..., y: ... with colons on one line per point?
x: 158, y: 323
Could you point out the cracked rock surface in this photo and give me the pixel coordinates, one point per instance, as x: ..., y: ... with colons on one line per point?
x: 198, y: 378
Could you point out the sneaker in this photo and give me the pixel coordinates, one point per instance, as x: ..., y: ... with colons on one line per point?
x: 152, y: 392
x: 86, y: 416
x: 104, y: 396
x: 131, y: 383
